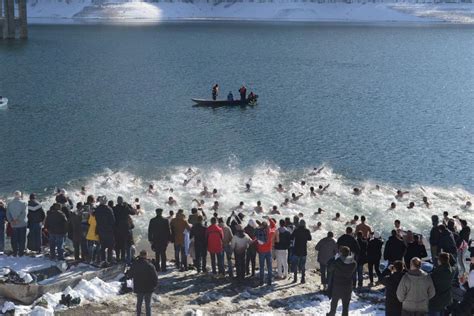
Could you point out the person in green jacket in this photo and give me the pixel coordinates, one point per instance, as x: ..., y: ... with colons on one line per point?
x: 442, y: 276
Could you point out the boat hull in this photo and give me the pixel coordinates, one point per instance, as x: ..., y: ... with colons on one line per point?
x: 218, y: 103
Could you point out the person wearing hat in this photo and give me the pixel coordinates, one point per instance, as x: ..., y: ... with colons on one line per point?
x: 105, y: 219
x: 239, y: 244
x: 16, y: 216
x: 145, y: 281
x: 374, y: 254
x: 301, y: 235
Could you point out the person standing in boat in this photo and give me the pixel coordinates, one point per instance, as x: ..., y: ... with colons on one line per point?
x: 230, y: 96
x: 243, y: 93
x: 215, y: 91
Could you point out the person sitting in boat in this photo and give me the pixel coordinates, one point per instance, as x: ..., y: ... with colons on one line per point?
x: 252, y: 97
x: 243, y: 93
x: 215, y: 91
x: 230, y: 96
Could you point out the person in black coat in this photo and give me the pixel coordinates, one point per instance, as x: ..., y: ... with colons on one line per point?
x: 434, y: 240
x: 56, y: 224
x: 361, y: 259
x: 415, y: 249
x: 341, y: 271
x: 395, y: 272
x: 349, y: 241
x: 159, y: 235
x: 145, y: 281
x: 301, y: 236
x: 394, y: 248
x: 36, y: 217
x: 123, y: 230
x: 374, y: 254
x: 105, y: 229
x: 446, y: 241
x: 198, y: 232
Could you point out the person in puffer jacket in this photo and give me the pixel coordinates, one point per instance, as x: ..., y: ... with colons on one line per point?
x: 415, y: 290
x: 36, y: 217
x: 265, y: 236
x: 240, y: 242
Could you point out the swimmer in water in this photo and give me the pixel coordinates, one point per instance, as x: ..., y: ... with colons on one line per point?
x: 275, y: 210
x: 204, y: 192
x: 280, y: 188
x: 353, y: 221
x: 337, y: 218
x: 215, y: 206
x: 188, y: 172
x: 319, y: 212
x: 258, y: 209
x: 400, y: 194
x: 137, y: 206
x: 303, y: 183
x: 357, y: 191
x: 425, y: 202
x: 83, y: 191
x: 311, y: 192
x: 238, y: 207
x: 295, y: 198
x: 322, y: 189
x: 151, y: 189
x: 467, y: 206
x: 316, y: 171
x: 247, y: 187
x: 317, y: 227
x: 411, y: 205
x: 199, y: 203
x: 214, y: 193
x: 393, y: 206
x: 285, y: 203
x: 171, y: 201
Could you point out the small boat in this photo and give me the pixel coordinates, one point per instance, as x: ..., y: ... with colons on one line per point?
x: 3, y: 102
x: 218, y: 103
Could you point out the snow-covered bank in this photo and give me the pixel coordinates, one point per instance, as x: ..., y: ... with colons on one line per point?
x: 52, y: 11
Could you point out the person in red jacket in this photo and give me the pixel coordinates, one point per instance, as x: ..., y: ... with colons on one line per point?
x: 265, y: 236
x: 214, y: 236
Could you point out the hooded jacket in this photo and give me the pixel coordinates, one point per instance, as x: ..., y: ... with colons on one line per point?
x: 327, y: 249
x: 214, y: 237
x: 393, y: 307
x: 159, y: 233
x: 35, y: 212
x: 442, y: 277
x: 144, y: 276
x: 16, y: 211
x: 341, y: 271
x: 415, y: 290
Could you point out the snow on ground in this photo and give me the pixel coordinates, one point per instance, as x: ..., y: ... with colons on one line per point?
x: 25, y: 263
x: 51, y: 11
x: 92, y: 291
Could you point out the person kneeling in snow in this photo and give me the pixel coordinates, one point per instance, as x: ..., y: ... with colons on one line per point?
x: 145, y: 281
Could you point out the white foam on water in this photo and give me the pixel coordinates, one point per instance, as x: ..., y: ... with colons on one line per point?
x: 230, y: 183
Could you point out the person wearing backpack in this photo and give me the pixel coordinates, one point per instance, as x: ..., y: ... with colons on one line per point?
x: 282, y: 244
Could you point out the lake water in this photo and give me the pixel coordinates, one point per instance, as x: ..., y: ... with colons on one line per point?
x: 383, y: 104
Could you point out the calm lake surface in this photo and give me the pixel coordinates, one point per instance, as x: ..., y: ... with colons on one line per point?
x: 393, y: 104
